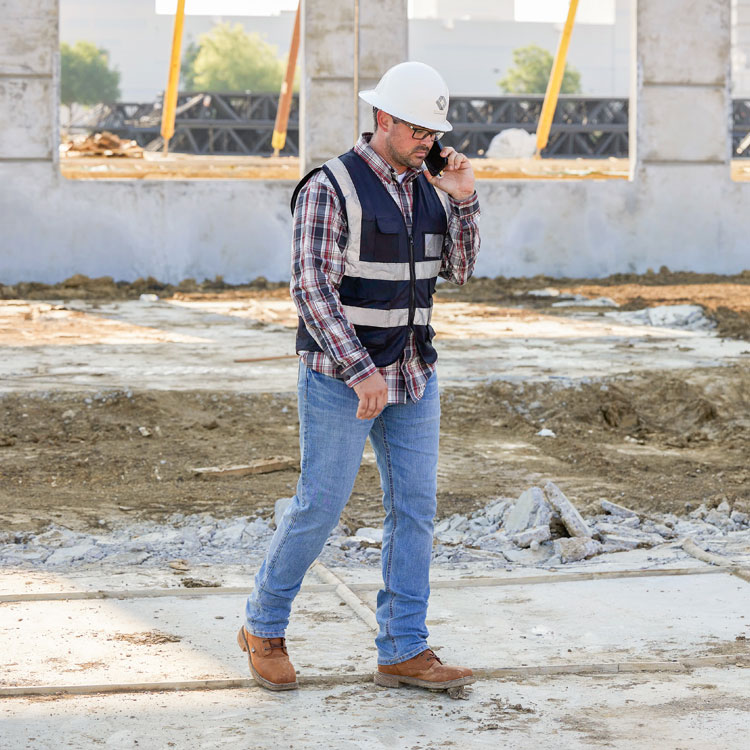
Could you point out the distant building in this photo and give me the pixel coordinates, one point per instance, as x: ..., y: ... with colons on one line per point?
x: 470, y: 41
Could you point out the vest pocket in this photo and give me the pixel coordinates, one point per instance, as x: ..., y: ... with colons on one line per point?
x: 433, y: 245
x: 381, y: 240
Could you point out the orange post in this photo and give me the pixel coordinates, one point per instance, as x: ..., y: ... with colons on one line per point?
x: 170, y: 95
x: 555, y: 81
x: 285, y: 99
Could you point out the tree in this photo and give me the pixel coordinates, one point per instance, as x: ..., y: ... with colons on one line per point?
x: 187, y: 73
x: 229, y: 59
x: 85, y: 75
x: 530, y: 75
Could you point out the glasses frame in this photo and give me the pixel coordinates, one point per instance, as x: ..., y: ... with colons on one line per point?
x: 436, y: 135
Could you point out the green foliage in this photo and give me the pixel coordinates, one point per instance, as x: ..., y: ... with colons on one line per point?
x: 85, y: 75
x: 187, y: 74
x: 531, y: 71
x: 229, y: 59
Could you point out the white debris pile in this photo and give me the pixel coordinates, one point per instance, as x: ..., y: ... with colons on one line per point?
x: 685, y: 317
x: 198, y: 537
x: 541, y: 527
x: 512, y: 143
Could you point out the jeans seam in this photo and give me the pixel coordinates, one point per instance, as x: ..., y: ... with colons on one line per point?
x: 391, y: 492
x: 292, y: 520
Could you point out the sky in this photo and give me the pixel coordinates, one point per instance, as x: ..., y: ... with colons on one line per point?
x: 589, y: 11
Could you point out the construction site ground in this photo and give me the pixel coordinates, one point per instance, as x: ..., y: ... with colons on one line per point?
x: 112, y: 393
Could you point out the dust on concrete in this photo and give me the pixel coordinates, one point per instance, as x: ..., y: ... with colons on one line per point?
x: 146, y: 638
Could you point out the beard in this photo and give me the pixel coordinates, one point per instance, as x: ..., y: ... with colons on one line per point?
x: 412, y: 158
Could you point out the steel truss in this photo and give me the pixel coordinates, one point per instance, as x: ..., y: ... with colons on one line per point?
x: 241, y: 123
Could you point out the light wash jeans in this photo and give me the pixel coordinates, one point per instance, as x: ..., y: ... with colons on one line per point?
x: 405, y: 440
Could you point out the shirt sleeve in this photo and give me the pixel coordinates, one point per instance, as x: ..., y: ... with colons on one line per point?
x: 462, y: 241
x: 318, y: 245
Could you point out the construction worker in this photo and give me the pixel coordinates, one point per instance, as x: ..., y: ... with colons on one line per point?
x: 372, y: 232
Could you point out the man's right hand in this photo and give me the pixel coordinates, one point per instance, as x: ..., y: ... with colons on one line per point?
x: 373, y: 396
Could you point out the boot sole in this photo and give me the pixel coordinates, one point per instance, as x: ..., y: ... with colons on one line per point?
x: 394, y: 681
x: 245, y: 647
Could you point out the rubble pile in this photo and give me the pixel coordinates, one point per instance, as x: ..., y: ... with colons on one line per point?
x: 100, y: 144
x: 540, y: 528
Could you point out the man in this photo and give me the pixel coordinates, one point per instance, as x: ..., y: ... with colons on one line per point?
x: 372, y: 232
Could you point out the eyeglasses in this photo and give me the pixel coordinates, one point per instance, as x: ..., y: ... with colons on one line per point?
x: 419, y: 134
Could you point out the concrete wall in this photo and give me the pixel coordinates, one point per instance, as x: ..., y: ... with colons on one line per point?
x: 681, y: 208
x: 741, y: 48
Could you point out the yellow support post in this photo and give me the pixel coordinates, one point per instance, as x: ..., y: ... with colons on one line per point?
x: 555, y: 82
x: 278, y: 139
x: 170, y: 95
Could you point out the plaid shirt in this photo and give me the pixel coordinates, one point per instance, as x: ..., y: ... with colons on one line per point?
x: 318, y: 265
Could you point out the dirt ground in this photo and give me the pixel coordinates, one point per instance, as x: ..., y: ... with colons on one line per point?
x: 656, y: 441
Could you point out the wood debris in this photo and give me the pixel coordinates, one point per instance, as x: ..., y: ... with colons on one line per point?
x: 261, y: 466
x: 100, y: 144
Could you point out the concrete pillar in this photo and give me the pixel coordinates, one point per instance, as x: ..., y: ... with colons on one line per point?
x: 330, y: 114
x: 680, y: 102
x: 28, y: 81
x: 741, y: 48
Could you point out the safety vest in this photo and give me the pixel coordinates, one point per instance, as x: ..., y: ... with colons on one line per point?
x: 390, y: 275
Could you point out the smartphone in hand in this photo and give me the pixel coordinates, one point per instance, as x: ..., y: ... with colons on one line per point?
x: 433, y: 161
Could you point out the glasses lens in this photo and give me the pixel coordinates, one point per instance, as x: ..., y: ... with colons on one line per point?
x: 421, y: 133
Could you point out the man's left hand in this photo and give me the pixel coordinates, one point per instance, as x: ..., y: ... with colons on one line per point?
x: 457, y: 179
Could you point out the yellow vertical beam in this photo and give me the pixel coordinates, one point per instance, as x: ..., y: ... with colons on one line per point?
x: 170, y: 95
x: 555, y: 81
x: 278, y: 139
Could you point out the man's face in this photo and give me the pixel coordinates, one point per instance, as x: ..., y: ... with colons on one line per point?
x: 402, y: 148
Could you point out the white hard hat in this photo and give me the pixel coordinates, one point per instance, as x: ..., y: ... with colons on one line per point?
x: 414, y: 92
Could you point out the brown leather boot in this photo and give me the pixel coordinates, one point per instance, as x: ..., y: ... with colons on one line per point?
x: 269, y: 661
x: 424, y: 670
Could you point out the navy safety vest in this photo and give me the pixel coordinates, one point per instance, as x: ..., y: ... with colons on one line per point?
x: 390, y: 275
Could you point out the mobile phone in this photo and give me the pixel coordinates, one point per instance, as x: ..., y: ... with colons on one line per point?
x: 433, y: 161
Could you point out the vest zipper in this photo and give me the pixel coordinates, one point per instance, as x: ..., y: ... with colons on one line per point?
x: 412, y: 283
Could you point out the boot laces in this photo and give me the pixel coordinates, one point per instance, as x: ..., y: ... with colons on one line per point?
x: 430, y: 654
x: 275, y: 643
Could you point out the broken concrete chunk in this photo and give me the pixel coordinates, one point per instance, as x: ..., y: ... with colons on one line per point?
x: 530, y: 510
x: 572, y: 519
x: 536, y: 534
x: 617, y: 510
x: 741, y: 519
x: 369, y: 534
x: 717, y: 518
x: 640, y: 538
x: 578, y: 548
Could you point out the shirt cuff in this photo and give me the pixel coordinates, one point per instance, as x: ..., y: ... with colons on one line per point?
x: 359, y: 370
x: 467, y: 207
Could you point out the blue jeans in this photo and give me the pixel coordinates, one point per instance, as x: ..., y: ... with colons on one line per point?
x: 405, y: 440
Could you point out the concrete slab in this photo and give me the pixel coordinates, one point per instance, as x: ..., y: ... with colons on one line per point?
x: 585, y: 622
x: 706, y: 708
x: 194, y: 345
x: 146, y: 640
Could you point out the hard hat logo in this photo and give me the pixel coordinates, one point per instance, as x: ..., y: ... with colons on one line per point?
x: 414, y: 92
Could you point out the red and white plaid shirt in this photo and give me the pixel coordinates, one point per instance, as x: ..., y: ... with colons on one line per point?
x: 318, y: 264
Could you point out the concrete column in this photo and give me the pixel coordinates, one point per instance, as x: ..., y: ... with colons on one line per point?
x: 28, y: 80
x: 383, y: 43
x: 330, y: 114
x: 681, y: 97
x: 741, y: 48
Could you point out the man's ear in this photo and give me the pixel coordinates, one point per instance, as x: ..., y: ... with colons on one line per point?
x: 385, y: 121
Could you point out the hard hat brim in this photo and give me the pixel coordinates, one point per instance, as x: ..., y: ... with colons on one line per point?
x: 371, y: 97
